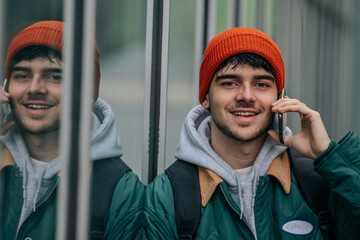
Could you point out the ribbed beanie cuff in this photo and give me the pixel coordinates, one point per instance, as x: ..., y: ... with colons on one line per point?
x: 232, y: 42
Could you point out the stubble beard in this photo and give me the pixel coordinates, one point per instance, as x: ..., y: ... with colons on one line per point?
x: 24, y: 127
x: 231, y: 134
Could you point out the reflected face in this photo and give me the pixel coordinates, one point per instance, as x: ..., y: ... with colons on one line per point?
x: 35, y: 94
x: 240, y: 102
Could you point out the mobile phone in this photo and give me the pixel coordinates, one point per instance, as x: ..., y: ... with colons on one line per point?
x: 5, y: 85
x: 4, y: 107
x: 282, y: 119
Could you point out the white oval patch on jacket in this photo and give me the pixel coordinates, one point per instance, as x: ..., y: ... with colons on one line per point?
x: 297, y: 227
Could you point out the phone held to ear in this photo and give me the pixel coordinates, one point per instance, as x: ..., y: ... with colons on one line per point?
x: 282, y: 119
x: 4, y: 86
x: 4, y: 107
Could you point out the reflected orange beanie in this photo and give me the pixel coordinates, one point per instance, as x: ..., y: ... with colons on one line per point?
x: 232, y: 42
x: 49, y: 34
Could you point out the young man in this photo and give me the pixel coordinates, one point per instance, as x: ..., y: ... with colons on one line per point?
x: 247, y: 189
x: 31, y: 163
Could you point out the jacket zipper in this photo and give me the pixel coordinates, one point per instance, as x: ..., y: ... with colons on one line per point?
x: 38, y: 205
x: 227, y: 200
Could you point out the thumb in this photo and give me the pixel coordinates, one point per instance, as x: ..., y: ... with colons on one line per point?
x: 5, y: 128
x: 275, y: 136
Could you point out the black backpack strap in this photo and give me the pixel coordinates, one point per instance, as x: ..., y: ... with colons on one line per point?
x: 184, y: 179
x: 105, y: 176
x: 314, y: 189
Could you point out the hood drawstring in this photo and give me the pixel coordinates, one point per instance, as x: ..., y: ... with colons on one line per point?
x: 24, y: 180
x: 254, y: 185
x: 241, y: 198
x: 38, y: 186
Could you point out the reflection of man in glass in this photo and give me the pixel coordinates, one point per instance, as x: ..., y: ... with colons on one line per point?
x: 31, y: 163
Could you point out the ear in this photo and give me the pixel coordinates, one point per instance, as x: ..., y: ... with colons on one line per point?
x: 206, y: 103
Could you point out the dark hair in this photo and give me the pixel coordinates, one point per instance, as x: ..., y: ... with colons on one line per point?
x: 33, y: 52
x: 252, y: 59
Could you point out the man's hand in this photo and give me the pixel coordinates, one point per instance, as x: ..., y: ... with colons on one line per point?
x: 4, y: 96
x: 313, y: 139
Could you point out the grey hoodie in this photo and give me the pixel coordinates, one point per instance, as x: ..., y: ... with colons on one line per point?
x: 194, y: 147
x: 105, y: 143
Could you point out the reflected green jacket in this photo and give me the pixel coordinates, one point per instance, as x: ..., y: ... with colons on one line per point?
x: 279, y: 205
x: 124, y: 217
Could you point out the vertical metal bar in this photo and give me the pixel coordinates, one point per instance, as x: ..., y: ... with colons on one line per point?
x: 269, y: 17
x: 248, y: 13
x: 199, y: 45
x: 155, y: 88
x: 230, y: 14
x: 243, y: 13
x: 87, y: 82
x: 205, y: 29
x: 147, y: 93
x: 237, y: 13
x: 163, y: 85
x: 2, y: 38
x: 70, y: 127
x: 2, y: 64
x: 65, y: 134
x: 212, y: 20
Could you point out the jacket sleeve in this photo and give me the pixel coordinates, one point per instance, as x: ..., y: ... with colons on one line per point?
x: 340, y: 167
x: 159, y: 213
x: 125, y: 216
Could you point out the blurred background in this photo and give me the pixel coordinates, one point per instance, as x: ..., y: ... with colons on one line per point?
x: 319, y: 40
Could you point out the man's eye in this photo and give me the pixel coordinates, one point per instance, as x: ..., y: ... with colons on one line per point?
x: 261, y: 84
x: 54, y: 78
x: 228, y: 84
x: 22, y: 76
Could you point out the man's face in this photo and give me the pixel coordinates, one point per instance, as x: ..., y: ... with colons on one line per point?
x: 240, y: 102
x: 35, y: 94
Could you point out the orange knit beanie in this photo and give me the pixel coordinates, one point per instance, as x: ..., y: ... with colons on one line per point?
x: 49, y: 34
x: 235, y: 41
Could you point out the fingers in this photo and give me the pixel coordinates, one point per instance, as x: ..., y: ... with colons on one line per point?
x: 291, y: 105
x: 5, y: 128
x: 275, y: 137
x: 4, y: 96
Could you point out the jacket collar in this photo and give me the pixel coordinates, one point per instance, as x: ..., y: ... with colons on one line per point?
x: 279, y: 168
x: 6, y: 159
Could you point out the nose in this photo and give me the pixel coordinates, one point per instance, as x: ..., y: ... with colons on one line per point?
x: 37, y: 86
x: 245, y: 93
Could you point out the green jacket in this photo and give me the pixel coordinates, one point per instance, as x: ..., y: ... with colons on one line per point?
x: 278, y: 201
x: 124, y: 217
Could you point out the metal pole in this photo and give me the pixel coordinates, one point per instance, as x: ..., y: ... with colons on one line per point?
x: 155, y: 88
x: 2, y: 64
x: 147, y: 92
x: 200, y: 33
x: 87, y: 95
x: 163, y: 85
x: 71, y: 128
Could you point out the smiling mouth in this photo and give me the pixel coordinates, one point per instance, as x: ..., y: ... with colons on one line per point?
x: 244, y: 114
x: 38, y: 106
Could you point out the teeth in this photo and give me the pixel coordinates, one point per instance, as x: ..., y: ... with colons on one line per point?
x: 38, y: 106
x: 244, y: 114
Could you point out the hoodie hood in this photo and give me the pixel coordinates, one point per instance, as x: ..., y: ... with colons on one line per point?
x: 194, y: 147
x: 105, y: 143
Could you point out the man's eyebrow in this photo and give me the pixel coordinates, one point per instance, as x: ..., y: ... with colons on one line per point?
x: 27, y: 69
x: 234, y: 76
x: 268, y: 77
x: 226, y: 76
x: 53, y: 70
